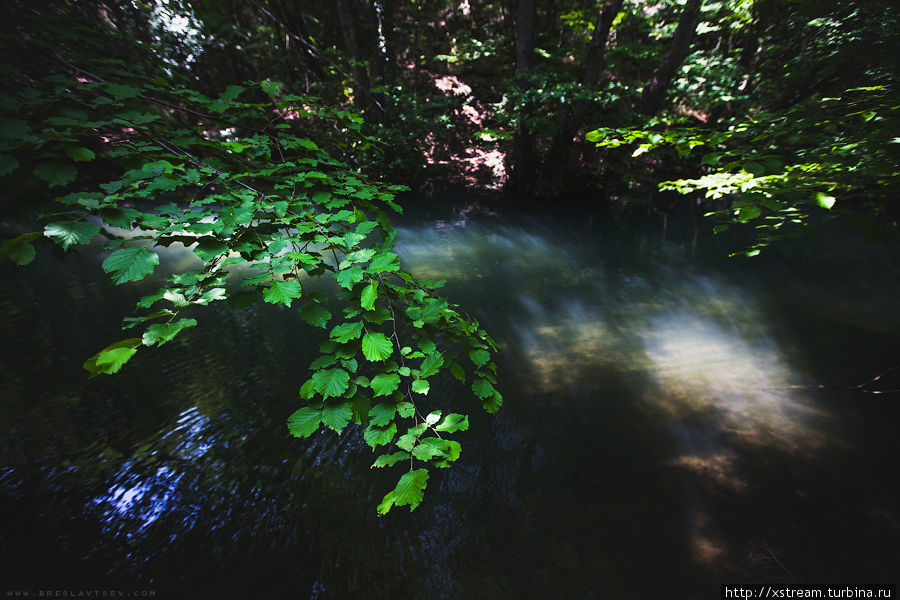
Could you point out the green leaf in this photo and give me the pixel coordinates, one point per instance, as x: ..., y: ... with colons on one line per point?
x: 122, y: 91
x: 110, y: 359
x: 379, y: 435
x: 347, y: 331
x: 360, y: 405
x: 209, y: 248
x: 130, y: 264
x: 406, y: 410
x: 66, y: 233
x: 56, y: 173
x: 304, y: 422
x: 482, y: 388
x: 389, y: 460
x: 420, y: 386
x: 431, y: 447
x: 283, y: 292
x: 457, y: 372
x: 369, y: 294
x: 479, y: 357
x: 451, y: 451
x: 336, y: 415
x: 385, y: 261
x: 272, y: 88
x: 749, y: 212
x: 134, y: 321
x: 8, y: 164
x: 433, y: 417
x: 19, y: 249
x: 408, y: 439
x: 315, y: 315
x: 160, y: 333
x: 385, y: 384
x: 824, y: 200
x: 431, y: 364
x: 409, y: 491
x: 754, y: 168
x: 376, y: 346
x: 151, y: 299
x: 453, y: 422
x: 79, y: 154
x: 382, y: 414
x: 361, y: 255
x: 331, y: 382
x: 347, y: 277
x: 493, y: 403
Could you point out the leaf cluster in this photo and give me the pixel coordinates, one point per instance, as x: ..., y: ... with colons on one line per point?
x: 244, y: 180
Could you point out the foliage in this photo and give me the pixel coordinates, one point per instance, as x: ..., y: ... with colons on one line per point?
x: 243, y: 179
x: 839, y: 154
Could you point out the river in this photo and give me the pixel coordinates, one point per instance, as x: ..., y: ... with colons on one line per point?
x: 662, y: 432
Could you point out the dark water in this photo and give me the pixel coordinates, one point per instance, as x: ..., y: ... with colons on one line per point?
x: 650, y: 445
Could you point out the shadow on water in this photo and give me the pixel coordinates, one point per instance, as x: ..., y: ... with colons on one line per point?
x: 651, y: 444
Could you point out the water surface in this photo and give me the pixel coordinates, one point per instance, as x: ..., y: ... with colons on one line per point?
x: 661, y: 432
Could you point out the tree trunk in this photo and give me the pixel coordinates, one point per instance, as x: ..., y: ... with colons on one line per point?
x: 655, y: 91
x: 351, y: 45
x: 523, y: 160
x: 593, y: 68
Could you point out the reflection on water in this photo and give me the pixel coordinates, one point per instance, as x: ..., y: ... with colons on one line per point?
x: 140, y: 496
x: 649, y: 429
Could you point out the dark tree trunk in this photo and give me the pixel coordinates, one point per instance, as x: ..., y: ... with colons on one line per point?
x: 523, y: 164
x: 593, y: 68
x: 655, y: 91
x: 361, y: 88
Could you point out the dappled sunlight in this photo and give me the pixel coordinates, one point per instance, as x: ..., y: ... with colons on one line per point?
x: 562, y: 346
x: 717, y: 470
x: 706, y: 371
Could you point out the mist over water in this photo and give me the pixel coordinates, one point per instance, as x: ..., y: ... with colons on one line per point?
x: 653, y: 441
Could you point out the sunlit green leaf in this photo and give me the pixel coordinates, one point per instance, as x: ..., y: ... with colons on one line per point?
x: 385, y: 384
x: 409, y: 491
x: 369, y: 294
x: 130, y: 264
x: 160, y: 333
x: 382, y: 414
x: 346, y: 331
x: 389, y: 460
x: 67, y: 233
x: 336, y: 415
x: 283, y: 292
x: 453, y: 422
x: 376, y: 346
x: 379, y: 435
x: 420, y: 386
x: 824, y: 200
x: 110, y: 359
x: 304, y: 422
x: 331, y: 382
